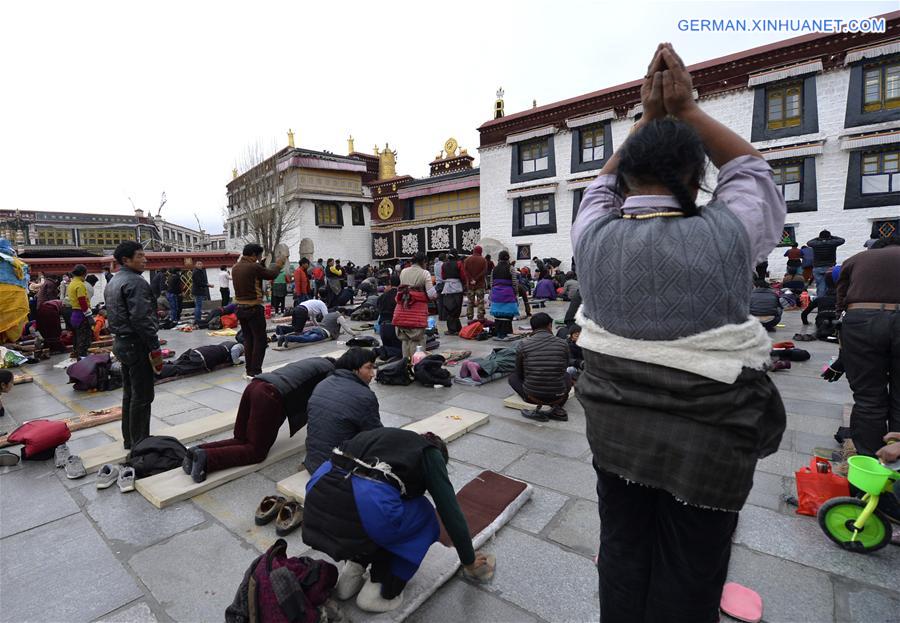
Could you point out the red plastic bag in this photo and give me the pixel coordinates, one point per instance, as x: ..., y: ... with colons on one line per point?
x: 39, y: 437
x: 471, y: 330
x: 816, y: 485
x: 229, y: 321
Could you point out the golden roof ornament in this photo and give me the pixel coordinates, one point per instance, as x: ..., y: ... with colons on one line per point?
x: 387, y: 163
x: 350, y: 149
x: 234, y: 173
x: 290, y: 137
x: 450, y: 146
x: 498, y: 104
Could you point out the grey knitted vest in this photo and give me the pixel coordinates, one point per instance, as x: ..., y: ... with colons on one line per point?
x: 666, y: 277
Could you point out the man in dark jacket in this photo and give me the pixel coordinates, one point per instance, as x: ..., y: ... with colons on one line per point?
x: 268, y: 401
x: 199, y: 290
x: 247, y: 276
x: 131, y: 310
x: 475, y: 266
x: 174, y: 289
x: 204, y: 358
x: 341, y: 406
x: 824, y: 306
x: 764, y: 304
x: 540, y: 375
x: 158, y: 283
x: 824, y: 257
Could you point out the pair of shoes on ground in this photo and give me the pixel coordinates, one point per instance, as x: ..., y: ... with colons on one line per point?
x: 121, y: 475
x: 63, y: 457
x: 470, y: 369
x: 194, y: 464
x: 288, y: 515
x: 352, y: 581
x: 557, y: 414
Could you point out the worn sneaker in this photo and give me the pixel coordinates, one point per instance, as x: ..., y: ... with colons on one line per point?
x: 61, y: 455
x: 535, y: 415
x: 188, y: 463
x: 107, y: 476
x: 559, y: 414
x: 75, y: 468
x: 198, y: 469
x: 126, y: 479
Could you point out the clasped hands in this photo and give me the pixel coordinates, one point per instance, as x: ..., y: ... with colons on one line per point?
x: 667, y: 88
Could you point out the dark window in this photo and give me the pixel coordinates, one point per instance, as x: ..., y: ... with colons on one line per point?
x: 534, y: 215
x: 328, y: 215
x: 788, y: 236
x: 533, y: 160
x: 885, y: 228
x: 357, y: 215
x: 797, y: 181
x: 873, y: 95
x: 785, y: 109
x: 577, y: 196
x: 591, y: 146
x: 873, y: 178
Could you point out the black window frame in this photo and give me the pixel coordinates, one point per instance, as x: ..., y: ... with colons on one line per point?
x: 879, y: 221
x: 808, y: 200
x: 854, y: 198
x: 578, y: 164
x: 518, y: 229
x: 786, y: 241
x: 340, y: 214
x: 577, y: 196
x: 516, y: 174
x: 856, y: 114
x: 809, y: 114
x: 357, y: 216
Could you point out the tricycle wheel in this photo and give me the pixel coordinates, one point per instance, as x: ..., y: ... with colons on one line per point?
x: 836, y: 517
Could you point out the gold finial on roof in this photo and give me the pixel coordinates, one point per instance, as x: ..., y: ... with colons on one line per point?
x: 387, y: 161
x: 350, y: 149
x: 234, y: 173
x: 498, y: 104
x: 290, y: 137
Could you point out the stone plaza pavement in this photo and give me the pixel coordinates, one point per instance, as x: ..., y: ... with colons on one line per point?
x: 69, y: 552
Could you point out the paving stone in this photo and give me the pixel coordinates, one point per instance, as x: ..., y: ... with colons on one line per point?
x: 857, y: 603
x: 798, y: 406
x: 234, y: 505
x: 166, y: 404
x: 194, y: 575
x: 394, y: 420
x: 799, y: 539
x: 97, y: 400
x: 769, y: 490
x: 814, y: 424
x: 543, y: 579
x: 86, y: 442
x: 284, y: 468
x: 137, y: 613
x: 543, y: 505
x: 215, y: 397
x: 130, y: 521
x: 559, y: 474
x: 188, y: 386
x: 461, y: 474
x: 805, y: 442
x: 810, y: 597
x: 485, y: 404
x: 577, y: 526
x: 35, y: 407
x: 536, y: 436
x: 190, y: 416
x: 62, y: 571
x: 396, y: 402
x: 458, y: 600
x: 782, y: 463
x: 32, y: 496
x: 484, y: 451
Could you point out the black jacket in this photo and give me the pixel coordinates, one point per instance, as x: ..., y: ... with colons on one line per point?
x: 541, y: 362
x: 340, y: 407
x: 131, y: 308
x: 173, y: 284
x: 764, y: 302
x: 825, y: 251
x: 199, y: 282
x: 296, y: 382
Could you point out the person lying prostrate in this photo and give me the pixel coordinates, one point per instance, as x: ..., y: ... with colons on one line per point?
x: 366, y: 505
x: 206, y: 358
x: 341, y: 406
x: 329, y: 328
x: 269, y: 399
x: 663, y: 365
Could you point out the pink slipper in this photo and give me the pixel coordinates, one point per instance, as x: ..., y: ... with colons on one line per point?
x: 741, y: 603
x: 464, y: 370
x: 473, y: 371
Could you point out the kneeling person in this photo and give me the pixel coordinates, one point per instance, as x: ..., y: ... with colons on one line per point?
x: 540, y: 375
x: 329, y: 328
x: 366, y: 505
x: 269, y: 400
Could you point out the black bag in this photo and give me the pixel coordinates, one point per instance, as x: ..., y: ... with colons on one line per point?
x: 156, y: 454
x: 395, y: 373
x: 363, y: 313
x: 430, y: 371
x: 364, y: 341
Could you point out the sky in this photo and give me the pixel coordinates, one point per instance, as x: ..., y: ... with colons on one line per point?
x: 108, y: 103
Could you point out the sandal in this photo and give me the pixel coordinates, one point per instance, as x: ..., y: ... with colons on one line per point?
x: 268, y: 509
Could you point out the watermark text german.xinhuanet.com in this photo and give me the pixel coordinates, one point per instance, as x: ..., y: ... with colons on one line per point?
x: 830, y: 25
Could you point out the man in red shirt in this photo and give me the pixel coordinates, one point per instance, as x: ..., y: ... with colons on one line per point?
x: 475, y: 267
x: 301, y: 282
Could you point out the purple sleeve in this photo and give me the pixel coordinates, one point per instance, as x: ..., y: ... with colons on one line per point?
x: 747, y: 187
x: 599, y: 198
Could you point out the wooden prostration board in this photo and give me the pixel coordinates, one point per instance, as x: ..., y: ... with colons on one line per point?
x: 113, y: 452
x: 174, y: 485
x: 448, y: 425
x: 514, y: 402
x: 78, y: 422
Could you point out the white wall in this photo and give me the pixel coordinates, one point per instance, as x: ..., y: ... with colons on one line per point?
x: 734, y: 110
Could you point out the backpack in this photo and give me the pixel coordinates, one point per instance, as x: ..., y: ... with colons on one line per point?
x: 40, y: 438
x: 278, y: 589
x: 156, y: 454
x: 394, y: 373
x: 92, y: 372
x: 229, y: 321
x: 430, y: 371
x: 471, y: 331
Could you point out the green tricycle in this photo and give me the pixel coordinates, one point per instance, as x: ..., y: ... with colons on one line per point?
x: 854, y: 523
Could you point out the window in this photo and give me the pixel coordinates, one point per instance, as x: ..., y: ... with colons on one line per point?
x: 444, y: 205
x: 788, y: 178
x: 881, y: 87
x: 357, y: 215
x: 785, y: 109
x: 788, y: 236
x: 534, y: 156
x: 231, y: 230
x: 880, y: 173
x: 54, y: 237
x: 784, y: 106
x: 328, y: 215
x: 534, y: 215
x: 592, y: 144
x: 577, y: 196
x: 885, y: 228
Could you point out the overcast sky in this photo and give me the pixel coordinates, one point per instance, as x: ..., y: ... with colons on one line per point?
x: 102, y: 101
